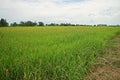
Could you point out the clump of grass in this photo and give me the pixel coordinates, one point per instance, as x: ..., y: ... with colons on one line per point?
x: 50, y: 53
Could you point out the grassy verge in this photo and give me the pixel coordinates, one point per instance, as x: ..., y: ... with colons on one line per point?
x: 107, y: 66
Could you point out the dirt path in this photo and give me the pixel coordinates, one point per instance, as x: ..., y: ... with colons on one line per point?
x: 107, y: 66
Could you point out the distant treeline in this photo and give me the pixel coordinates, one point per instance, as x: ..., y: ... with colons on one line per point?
x: 4, y: 23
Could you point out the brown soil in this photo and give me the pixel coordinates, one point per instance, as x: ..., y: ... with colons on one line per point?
x: 107, y: 66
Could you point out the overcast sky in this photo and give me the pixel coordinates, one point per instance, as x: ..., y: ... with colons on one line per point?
x: 58, y: 11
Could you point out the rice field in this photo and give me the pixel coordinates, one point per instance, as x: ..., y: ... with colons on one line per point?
x: 50, y: 53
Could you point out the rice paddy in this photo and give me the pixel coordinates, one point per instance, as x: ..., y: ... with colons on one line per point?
x: 50, y: 53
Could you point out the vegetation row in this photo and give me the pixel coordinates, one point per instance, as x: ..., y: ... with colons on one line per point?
x: 4, y: 23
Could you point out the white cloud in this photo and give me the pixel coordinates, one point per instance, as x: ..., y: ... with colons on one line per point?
x: 83, y: 12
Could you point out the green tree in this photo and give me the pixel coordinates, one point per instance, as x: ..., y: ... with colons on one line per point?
x: 3, y: 23
x: 14, y: 24
x: 52, y: 24
x: 27, y: 23
x: 22, y: 23
x: 34, y: 24
x: 40, y: 24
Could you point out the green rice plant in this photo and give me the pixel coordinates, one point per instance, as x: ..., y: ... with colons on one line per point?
x: 50, y: 53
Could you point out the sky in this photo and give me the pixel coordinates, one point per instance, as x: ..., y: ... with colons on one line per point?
x: 61, y: 11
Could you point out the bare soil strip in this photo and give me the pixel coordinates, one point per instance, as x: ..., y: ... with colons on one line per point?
x: 107, y: 66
